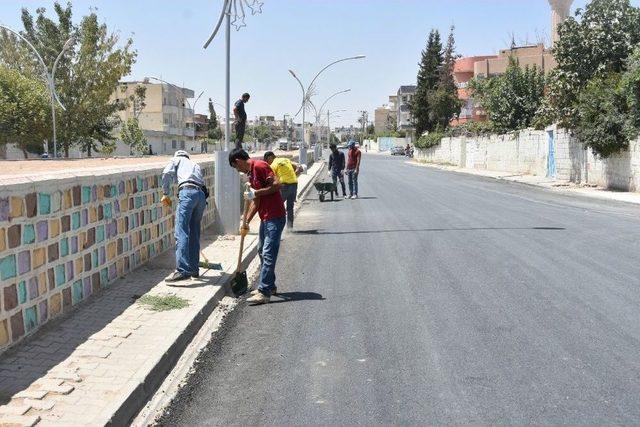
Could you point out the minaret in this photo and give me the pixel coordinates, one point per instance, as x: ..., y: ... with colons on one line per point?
x: 559, y: 12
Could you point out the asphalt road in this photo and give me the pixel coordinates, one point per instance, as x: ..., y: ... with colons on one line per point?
x: 436, y: 298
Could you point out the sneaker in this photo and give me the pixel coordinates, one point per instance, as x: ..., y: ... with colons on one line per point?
x: 258, y: 298
x: 195, y: 275
x: 353, y: 197
x: 177, y: 276
x: 345, y: 196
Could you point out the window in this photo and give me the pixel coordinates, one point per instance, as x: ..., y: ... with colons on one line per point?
x: 174, y: 144
x: 182, y: 145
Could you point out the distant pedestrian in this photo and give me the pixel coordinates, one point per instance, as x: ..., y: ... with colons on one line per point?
x: 336, y: 168
x: 240, y: 118
x: 191, y: 205
x: 265, y: 198
x: 287, y: 173
x: 353, y: 168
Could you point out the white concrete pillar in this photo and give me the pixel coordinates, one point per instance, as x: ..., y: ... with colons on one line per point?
x: 559, y: 12
x: 227, y: 195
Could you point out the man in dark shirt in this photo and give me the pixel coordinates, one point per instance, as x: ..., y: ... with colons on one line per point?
x: 240, y: 118
x: 336, y: 167
x: 264, y: 194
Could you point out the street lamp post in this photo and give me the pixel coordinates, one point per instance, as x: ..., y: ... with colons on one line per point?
x: 227, y: 196
x: 50, y: 79
x: 329, y: 124
x: 306, y: 98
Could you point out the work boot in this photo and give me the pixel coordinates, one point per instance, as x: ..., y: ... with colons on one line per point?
x: 177, y: 276
x: 258, y: 298
x: 256, y: 292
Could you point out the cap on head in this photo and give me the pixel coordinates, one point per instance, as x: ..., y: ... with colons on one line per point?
x: 351, y: 144
x: 181, y: 153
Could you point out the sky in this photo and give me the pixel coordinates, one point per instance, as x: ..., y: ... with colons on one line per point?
x: 304, y: 35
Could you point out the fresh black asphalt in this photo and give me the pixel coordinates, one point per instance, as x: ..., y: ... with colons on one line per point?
x: 436, y: 298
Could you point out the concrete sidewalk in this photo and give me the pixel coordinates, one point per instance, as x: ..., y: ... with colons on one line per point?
x: 552, y: 184
x: 101, y: 363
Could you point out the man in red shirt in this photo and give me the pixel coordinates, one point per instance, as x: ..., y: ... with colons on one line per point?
x: 353, y: 168
x: 266, y: 201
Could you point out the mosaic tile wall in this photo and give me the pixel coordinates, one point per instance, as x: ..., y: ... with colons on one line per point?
x: 63, y: 240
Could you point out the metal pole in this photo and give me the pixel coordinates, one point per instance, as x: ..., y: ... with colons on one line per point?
x: 227, y: 125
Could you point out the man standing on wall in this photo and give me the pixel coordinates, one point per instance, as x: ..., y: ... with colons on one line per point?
x: 353, y: 168
x: 287, y: 173
x: 336, y: 168
x: 266, y: 200
x: 191, y: 205
x: 240, y: 118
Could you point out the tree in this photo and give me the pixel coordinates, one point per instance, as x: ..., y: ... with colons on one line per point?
x: 25, y: 111
x: 133, y: 136
x: 594, y: 43
x: 371, y: 130
x: 511, y: 99
x: 87, y: 75
x: 444, y: 103
x: 214, y: 132
x: 427, y: 80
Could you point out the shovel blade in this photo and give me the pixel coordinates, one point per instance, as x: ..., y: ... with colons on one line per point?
x: 240, y: 283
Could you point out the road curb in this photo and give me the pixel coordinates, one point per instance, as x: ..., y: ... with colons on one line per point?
x: 152, y: 377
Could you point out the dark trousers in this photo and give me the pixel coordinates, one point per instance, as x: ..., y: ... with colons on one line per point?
x: 335, y: 176
x: 289, y: 193
x: 240, y: 128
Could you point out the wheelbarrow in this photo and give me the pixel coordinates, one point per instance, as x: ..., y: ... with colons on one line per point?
x: 324, y: 188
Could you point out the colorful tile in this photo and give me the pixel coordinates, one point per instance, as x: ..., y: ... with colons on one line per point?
x: 42, y: 230
x: 4, y: 333
x: 32, y: 288
x: 17, y: 207
x: 7, y: 267
x: 56, y: 201
x: 55, y: 304
x: 60, y: 275
x: 66, y: 223
x: 74, y: 244
x: 84, y: 219
x: 31, y: 203
x: 4, y: 209
x: 3, y: 239
x: 64, y: 247
x: 53, y: 252
x: 24, y: 262
x: 75, y: 220
x: 76, y: 292
x: 28, y: 234
x: 39, y: 257
x: 14, y: 235
x: 30, y: 318
x: 54, y: 227
x: 22, y: 292
x: 75, y: 191
x: 43, y: 309
x: 86, y: 287
x: 44, y: 203
x: 17, y: 326
x: 86, y: 194
x: 66, y: 298
x: 10, y: 294
x: 69, y: 270
x: 99, y: 233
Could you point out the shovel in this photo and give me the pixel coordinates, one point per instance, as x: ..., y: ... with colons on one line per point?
x: 239, y: 284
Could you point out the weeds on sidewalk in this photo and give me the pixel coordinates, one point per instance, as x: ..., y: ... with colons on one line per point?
x: 163, y: 302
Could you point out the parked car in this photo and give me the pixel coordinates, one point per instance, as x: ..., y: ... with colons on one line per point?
x: 397, y: 151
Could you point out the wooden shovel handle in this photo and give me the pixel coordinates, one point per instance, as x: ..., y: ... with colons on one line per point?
x: 247, y: 203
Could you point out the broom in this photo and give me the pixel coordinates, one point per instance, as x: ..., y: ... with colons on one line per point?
x: 239, y: 283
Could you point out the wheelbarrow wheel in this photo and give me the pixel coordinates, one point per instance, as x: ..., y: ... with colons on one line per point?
x: 321, y: 197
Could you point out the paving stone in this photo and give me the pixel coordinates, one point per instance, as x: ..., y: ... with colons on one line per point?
x: 14, y: 409
x: 40, y: 405
x: 31, y: 394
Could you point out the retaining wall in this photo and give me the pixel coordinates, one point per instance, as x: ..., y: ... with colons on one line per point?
x: 527, y: 152
x: 64, y: 237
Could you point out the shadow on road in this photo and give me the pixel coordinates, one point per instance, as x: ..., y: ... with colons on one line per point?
x: 419, y: 230
x: 297, y: 296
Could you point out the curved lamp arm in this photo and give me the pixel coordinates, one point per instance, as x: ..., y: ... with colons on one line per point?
x: 226, y: 9
x: 304, y: 94
x: 329, y: 98
x: 335, y: 62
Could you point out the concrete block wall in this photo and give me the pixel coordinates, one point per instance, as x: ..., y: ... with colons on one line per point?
x: 64, y: 237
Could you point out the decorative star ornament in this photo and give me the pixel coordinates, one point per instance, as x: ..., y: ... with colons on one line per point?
x: 235, y: 10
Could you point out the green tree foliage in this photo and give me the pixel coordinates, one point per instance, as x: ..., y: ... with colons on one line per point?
x: 133, y: 136
x: 86, y: 77
x: 443, y: 100
x: 594, y: 43
x: 511, y: 99
x: 25, y: 112
x: 214, y: 131
x: 427, y: 81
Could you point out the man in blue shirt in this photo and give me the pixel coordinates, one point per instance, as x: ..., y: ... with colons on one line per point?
x: 191, y: 205
x: 240, y: 118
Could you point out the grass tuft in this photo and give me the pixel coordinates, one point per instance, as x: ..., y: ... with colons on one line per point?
x: 163, y: 302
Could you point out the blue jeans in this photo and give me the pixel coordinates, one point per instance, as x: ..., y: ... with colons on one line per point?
x: 191, y: 205
x: 353, y: 181
x: 268, y: 247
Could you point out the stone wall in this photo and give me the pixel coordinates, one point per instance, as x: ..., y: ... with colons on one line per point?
x: 64, y: 237
x: 527, y: 153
